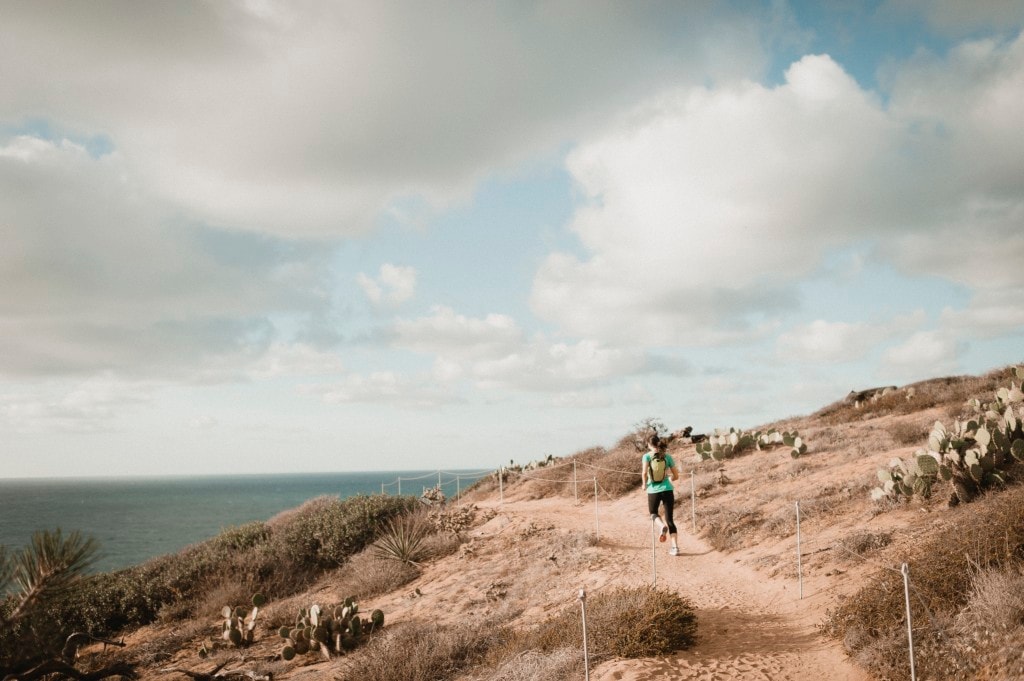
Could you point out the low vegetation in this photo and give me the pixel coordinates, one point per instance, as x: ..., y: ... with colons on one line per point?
x: 979, y: 452
x: 621, y: 623
x: 966, y: 568
x: 279, y: 558
x: 966, y: 563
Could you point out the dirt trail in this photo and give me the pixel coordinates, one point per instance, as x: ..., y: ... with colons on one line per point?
x: 750, y: 626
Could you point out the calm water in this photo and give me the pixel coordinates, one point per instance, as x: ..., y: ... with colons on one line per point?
x: 135, y: 519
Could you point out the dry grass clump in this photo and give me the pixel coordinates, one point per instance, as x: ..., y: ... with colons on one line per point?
x: 534, y: 665
x: 368, y: 575
x: 480, y: 488
x: 906, y: 433
x: 986, y: 535
x: 859, y: 544
x: 989, y: 629
x: 275, y: 558
x: 727, y: 529
x: 425, y: 650
x: 619, y: 470
x: 622, y: 623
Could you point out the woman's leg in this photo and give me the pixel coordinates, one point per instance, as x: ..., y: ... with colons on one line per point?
x: 653, y: 501
x: 668, y: 498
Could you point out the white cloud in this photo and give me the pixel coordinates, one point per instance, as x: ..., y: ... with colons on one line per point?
x: 386, y: 387
x: 311, y: 117
x: 296, y: 359
x: 990, y: 314
x: 822, y: 341
x: 455, y: 336
x: 702, y: 209
x: 962, y: 112
x: 925, y: 354
x: 97, y: 275
x: 494, y: 351
x: 90, y: 405
x: 545, y: 366
x: 590, y: 399
x: 699, y: 214
x: 204, y: 422
x: 394, y: 285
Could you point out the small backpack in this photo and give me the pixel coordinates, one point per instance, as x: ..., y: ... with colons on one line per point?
x: 656, y: 468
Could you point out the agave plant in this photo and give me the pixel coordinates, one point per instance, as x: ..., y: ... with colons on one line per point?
x: 403, y: 539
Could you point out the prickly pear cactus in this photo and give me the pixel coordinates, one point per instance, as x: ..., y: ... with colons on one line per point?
x: 973, y: 454
x: 239, y: 624
x: 331, y: 630
x: 723, y: 444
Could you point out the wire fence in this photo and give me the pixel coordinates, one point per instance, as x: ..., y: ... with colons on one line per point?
x: 450, y: 486
x: 804, y: 546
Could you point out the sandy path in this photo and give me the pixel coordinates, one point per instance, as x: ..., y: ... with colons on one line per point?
x: 750, y: 625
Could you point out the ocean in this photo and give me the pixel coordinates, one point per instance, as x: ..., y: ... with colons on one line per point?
x: 135, y: 519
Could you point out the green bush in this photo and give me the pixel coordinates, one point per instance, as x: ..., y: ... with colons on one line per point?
x: 324, y: 532
x: 279, y: 558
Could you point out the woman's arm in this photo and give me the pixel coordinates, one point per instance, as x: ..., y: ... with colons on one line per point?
x: 643, y: 472
x: 674, y: 470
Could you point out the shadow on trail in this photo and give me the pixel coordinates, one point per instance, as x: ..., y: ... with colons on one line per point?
x: 726, y: 632
x: 690, y: 554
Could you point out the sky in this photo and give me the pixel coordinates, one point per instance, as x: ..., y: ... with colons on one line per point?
x: 252, y: 236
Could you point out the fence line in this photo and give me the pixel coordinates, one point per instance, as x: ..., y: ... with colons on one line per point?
x: 610, y: 470
x: 441, y: 481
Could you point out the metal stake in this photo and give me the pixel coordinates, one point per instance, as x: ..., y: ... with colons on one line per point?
x: 575, y: 488
x: 654, y: 552
x: 693, y: 504
x: 799, y: 566
x: 586, y: 658
x: 905, y: 569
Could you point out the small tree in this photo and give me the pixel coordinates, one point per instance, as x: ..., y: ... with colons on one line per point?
x: 644, y: 429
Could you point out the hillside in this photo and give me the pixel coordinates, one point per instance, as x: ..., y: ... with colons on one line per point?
x: 540, y: 538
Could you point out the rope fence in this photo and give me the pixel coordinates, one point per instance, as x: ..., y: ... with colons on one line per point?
x: 903, y: 571
x: 804, y: 546
x: 455, y: 477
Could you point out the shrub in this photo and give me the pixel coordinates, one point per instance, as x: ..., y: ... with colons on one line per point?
x: 905, y: 433
x: 325, y: 531
x: 281, y: 557
x: 367, y: 575
x: 535, y: 665
x: 984, y: 536
x: 622, y: 622
x: 618, y: 471
x: 424, y: 650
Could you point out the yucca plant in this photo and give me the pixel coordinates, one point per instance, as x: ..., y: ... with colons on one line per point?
x: 403, y: 539
x: 32, y: 645
x: 47, y: 568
